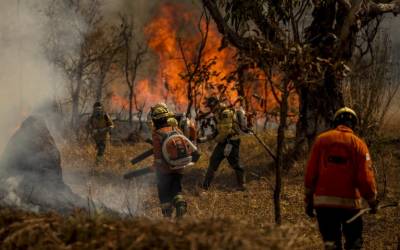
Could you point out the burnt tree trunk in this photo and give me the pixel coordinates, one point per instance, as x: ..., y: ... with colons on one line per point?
x: 100, y: 87
x: 241, y: 71
x: 318, y: 102
x: 280, y: 156
x: 131, y: 96
x: 76, y: 98
x: 317, y: 107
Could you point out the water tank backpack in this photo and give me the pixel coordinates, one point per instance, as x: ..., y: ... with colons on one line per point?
x: 177, y: 149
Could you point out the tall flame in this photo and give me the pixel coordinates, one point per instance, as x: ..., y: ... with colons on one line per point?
x: 175, y: 28
x: 170, y: 34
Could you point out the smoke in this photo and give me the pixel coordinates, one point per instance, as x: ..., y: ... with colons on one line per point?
x: 124, y: 197
x: 28, y: 81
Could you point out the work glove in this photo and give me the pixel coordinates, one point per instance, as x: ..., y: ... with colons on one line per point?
x: 374, y: 206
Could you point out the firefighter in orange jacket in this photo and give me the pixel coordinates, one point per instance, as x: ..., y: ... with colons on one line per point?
x: 168, y: 180
x: 339, y: 173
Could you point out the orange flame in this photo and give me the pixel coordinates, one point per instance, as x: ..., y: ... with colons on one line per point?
x: 177, y: 22
x: 119, y: 102
x: 164, y: 32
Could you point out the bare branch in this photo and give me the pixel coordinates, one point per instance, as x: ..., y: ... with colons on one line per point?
x: 375, y: 9
x: 239, y: 42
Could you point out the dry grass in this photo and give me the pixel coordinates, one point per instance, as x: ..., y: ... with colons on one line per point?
x: 21, y: 230
x: 221, y: 218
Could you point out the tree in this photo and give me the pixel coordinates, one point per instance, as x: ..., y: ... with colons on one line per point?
x: 319, y: 36
x: 133, y: 52
x: 76, y: 62
x: 372, y: 87
x: 109, y: 43
x: 87, y: 61
x: 195, y: 65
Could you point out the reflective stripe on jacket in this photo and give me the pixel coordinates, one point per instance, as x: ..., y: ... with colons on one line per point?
x: 339, y: 170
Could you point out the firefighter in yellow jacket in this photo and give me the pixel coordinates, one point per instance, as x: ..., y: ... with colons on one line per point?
x: 339, y: 173
x: 228, y: 142
x: 99, y: 126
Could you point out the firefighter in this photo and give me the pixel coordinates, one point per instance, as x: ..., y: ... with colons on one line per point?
x: 228, y: 142
x: 339, y: 173
x: 99, y: 126
x: 168, y: 179
x: 186, y: 126
x: 189, y: 129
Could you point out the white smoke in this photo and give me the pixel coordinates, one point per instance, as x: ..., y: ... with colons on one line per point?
x: 28, y: 81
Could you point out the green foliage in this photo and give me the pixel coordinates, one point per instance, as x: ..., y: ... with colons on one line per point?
x: 238, y: 12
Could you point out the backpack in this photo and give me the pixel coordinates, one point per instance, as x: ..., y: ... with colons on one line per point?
x: 177, y: 149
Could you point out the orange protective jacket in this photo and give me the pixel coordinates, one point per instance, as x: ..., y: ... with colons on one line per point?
x: 339, y: 171
x: 159, y: 163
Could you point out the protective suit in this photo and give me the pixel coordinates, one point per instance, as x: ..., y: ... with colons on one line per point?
x: 99, y: 126
x: 228, y: 143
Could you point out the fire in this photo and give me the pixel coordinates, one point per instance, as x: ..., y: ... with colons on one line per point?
x: 164, y: 32
x: 119, y: 102
x: 174, y: 29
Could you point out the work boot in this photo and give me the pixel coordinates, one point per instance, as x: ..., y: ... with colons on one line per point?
x: 166, y: 210
x: 180, y: 206
x: 208, y: 179
x: 240, y: 178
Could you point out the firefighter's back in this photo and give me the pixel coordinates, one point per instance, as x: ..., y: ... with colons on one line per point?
x: 340, y: 150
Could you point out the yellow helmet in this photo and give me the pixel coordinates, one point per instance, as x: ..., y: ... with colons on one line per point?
x: 344, y: 115
x: 159, y: 111
x: 172, y: 122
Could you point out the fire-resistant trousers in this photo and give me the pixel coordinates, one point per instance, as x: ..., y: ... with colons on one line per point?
x: 169, y: 186
x: 101, y: 147
x: 332, y: 224
x: 218, y: 156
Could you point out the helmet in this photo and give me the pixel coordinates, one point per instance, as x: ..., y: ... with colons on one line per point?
x: 211, y: 102
x: 97, y: 107
x: 97, y: 104
x: 345, y: 116
x: 159, y: 111
x: 172, y: 122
